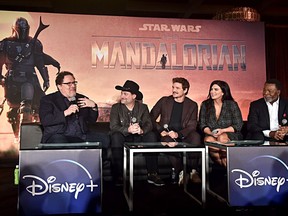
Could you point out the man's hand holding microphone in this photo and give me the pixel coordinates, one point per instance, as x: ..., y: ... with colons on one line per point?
x: 134, y: 127
x: 167, y: 132
x: 75, y: 105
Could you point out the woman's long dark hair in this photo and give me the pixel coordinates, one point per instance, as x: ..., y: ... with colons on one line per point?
x: 225, y: 89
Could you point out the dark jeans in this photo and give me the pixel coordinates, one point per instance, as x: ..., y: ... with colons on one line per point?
x: 193, y: 158
x: 117, y: 143
x: 90, y: 137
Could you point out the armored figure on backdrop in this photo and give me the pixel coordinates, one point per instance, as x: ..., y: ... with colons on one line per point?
x: 20, y: 53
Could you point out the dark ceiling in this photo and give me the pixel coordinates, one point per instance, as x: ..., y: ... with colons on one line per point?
x: 271, y: 11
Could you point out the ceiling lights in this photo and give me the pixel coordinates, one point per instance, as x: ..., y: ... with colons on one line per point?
x: 239, y: 14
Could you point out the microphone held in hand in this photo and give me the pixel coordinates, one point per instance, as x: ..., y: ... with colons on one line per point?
x: 167, y: 129
x: 284, y: 122
x: 133, y: 120
x: 73, y: 100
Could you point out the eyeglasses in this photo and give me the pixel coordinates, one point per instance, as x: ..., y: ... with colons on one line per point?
x: 70, y: 83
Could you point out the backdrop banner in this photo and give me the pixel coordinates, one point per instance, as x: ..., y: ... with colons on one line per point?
x: 105, y: 51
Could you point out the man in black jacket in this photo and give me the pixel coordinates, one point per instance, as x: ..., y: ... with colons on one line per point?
x: 130, y: 122
x: 65, y: 114
x: 267, y: 118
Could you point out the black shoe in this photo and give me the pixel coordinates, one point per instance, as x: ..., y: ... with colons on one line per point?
x: 153, y: 178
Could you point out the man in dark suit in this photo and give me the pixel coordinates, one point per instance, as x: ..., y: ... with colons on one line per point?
x: 267, y: 118
x: 178, y: 122
x: 65, y: 114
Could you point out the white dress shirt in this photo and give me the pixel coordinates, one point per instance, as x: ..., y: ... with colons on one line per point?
x: 273, y: 117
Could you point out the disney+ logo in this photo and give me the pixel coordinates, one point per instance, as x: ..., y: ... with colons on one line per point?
x: 248, y: 179
x: 40, y: 186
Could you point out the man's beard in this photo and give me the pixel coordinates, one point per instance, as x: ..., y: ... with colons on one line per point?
x: 270, y: 99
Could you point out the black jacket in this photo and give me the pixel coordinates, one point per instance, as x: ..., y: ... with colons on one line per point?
x: 52, y: 117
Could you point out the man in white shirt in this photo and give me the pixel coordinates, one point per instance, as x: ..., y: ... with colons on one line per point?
x: 267, y: 118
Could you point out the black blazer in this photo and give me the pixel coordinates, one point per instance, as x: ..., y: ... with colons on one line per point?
x: 51, y: 113
x: 258, y: 117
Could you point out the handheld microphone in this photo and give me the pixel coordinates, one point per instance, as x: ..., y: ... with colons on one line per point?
x: 133, y: 120
x: 167, y: 129
x: 284, y: 122
x: 73, y: 100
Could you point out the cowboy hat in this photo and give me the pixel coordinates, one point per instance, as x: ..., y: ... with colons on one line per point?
x: 132, y: 87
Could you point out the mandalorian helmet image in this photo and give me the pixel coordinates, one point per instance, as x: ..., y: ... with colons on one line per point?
x: 20, y: 29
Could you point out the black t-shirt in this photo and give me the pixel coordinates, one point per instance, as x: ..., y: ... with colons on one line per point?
x: 176, y: 117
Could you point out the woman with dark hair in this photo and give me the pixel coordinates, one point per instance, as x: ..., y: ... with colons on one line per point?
x: 220, y: 119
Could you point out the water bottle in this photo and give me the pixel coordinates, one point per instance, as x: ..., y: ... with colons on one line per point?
x: 16, y: 175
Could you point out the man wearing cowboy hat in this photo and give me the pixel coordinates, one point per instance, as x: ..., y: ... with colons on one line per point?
x: 130, y: 122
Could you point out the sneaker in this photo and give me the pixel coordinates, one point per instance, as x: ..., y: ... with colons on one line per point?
x: 153, y: 178
x: 194, y: 177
